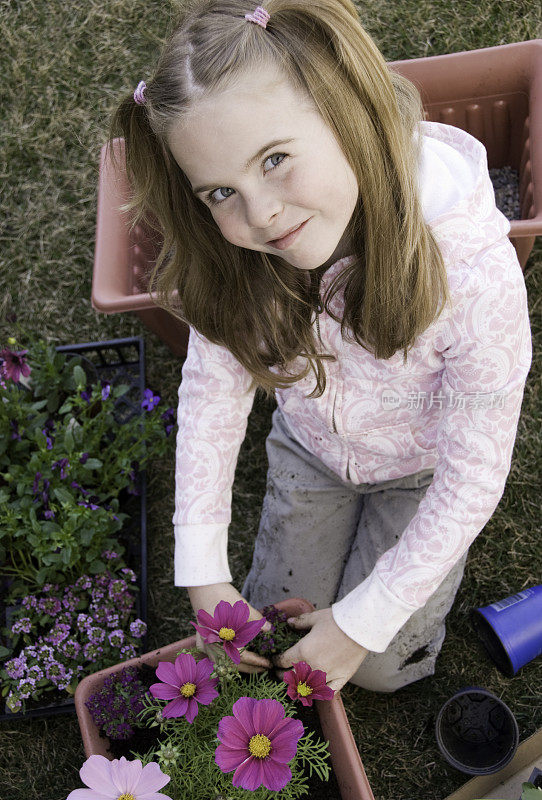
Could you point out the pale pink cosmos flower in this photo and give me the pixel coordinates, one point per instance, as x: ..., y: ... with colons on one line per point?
x: 258, y: 742
x: 110, y: 780
x: 186, y: 683
x: 229, y: 626
x: 307, y: 684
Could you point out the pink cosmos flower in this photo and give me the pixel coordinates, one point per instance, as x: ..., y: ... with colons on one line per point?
x: 109, y: 780
x: 229, y: 627
x: 15, y: 364
x: 186, y: 683
x: 307, y: 684
x: 258, y: 742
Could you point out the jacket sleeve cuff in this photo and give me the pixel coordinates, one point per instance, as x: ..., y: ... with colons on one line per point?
x: 370, y: 614
x: 201, y: 555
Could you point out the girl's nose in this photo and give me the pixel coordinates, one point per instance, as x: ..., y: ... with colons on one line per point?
x: 261, y: 209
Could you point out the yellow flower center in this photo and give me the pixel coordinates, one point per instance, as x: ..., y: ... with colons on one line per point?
x: 227, y: 633
x: 188, y: 689
x: 304, y: 689
x: 126, y: 796
x: 259, y: 746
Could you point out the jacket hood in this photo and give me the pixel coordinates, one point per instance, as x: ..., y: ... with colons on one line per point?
x: 471, y: 221
x: 457, y: 197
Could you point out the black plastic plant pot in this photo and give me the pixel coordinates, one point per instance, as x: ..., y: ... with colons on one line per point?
x: 476, y: 732
x: 117, y: 361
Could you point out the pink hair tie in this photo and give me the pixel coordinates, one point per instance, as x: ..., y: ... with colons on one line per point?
x: 139, y: 97
x: 260, y: 16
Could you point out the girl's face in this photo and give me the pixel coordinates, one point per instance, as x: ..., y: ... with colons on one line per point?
x: 263, y: 160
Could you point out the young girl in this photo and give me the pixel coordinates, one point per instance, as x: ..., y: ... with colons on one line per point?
x: 331, y: 246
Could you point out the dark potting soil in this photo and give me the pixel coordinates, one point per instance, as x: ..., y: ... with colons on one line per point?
x: 318, y: 789
x: 145, y: 738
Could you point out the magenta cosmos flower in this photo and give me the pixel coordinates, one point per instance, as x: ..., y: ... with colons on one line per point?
x: 15, y: 364
x: 258, y: 742
x: 229, y: 627
x: 111, y: 780
x: 186, y: 683
x: 307, y: 684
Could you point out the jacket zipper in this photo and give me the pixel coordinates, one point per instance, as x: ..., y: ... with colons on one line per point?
x: 319, y: 308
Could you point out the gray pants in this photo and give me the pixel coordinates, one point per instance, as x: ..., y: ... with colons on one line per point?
x: 320, y: 537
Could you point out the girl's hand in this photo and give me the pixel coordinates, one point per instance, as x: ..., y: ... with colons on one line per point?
x: 325, y: 647
x: 207, y: 597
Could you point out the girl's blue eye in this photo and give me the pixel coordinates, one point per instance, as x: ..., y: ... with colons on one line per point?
x: 211, y: 199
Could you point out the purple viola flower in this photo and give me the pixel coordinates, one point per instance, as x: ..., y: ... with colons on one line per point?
x: 98, y: 613
x: 15, y: 429
x: 53, y: 670
x: 48, y: 514
x: 35, y: 673
x: 25, y: 689
x: 92, y: 506
x: 29, y: 601
x: 229, y: 626
x: 83, y: 583
x: 58, y: 634
x: 70, y: 601
x: 112, y: 620
x: 15, y: 667
x: 117, y: 586
x: 35, y: 485
x: 14, y: 364
x: 106, y: 390
x: 150, y: 400
x: 23, y: 625
x: 70, y: 648
x: 49, y: 441
x: 13, y: 702
x: 83, y: 621
x: 63, y: 464
x: 258, y: 742
x: 168, y: 418
x: 185, y: 683
x: 116, y: 638
x: 96, y: 635
x: 92, y: 652
x: 138, y: 628
x: 50, y: 605
x: 66, y: 679
x: 85, y: 395
x: 128, y: 651
x: 83, y: 458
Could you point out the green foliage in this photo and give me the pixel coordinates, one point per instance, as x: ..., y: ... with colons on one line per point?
x: 64, y: 459
x: 186, y: 751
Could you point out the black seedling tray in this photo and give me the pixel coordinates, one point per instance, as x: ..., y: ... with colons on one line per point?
x: 117, y: 361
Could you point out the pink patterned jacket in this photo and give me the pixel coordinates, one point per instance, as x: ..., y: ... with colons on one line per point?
x: 454, y: 407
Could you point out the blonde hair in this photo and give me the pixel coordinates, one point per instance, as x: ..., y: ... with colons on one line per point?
x: 256, y: 304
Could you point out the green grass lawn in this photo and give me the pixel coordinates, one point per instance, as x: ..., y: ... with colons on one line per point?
x: 64, y: 67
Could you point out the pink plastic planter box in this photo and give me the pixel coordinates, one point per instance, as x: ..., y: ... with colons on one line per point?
x: 345, y: 757
x: 494, y: 93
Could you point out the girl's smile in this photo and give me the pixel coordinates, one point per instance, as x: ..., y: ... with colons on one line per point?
x: 263, y: 160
